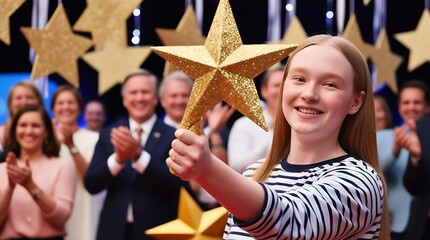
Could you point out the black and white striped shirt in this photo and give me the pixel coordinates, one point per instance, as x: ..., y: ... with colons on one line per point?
x: 340, y: 198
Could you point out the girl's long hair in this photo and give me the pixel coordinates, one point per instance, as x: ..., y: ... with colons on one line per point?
x: 357, y: 135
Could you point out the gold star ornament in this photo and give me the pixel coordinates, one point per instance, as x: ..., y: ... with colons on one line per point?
x: 385, y: 62
x: 8, y: 7
x: 353, y: 34
x: 57, y: 48
x: 106, y: 20
x: 192, y: 222
x: 223, y: 69
x: 114, y: 63
x: 418, y: 42
x: 186, y: 33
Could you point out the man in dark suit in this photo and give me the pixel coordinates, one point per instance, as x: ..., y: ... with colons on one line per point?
x: 141, y: 192
x: 416, y: 139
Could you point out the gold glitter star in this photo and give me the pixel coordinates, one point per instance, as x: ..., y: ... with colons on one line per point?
x: 223, y: 69
x: 353, y: 34
x: 386, y: 62
x: 106, y: 20
x: 8, y: 7
x: 186, y: 33
x: 114, y: 63
x: 57, y: 48
x: 295, y: 32
x: 192, y: 222
x: 417, y: 41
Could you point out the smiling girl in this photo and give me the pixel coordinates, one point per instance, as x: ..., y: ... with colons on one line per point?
x: 321, y: 179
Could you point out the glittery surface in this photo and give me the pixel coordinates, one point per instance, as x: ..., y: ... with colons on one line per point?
x: 192, y: 223
x: 223, y: 69
x: 57, y: 48
x: 106, y: 20
x: 114, y: 63
x: 186, y: 33
x: 8, y: 7
x: 385, y: 62
x: 417, y: 41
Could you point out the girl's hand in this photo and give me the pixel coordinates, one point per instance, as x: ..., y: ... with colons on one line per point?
x: 189, y: 156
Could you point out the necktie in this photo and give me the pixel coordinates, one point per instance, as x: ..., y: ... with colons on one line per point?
x: 139, y: 131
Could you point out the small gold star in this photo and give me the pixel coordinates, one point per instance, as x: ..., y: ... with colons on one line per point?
x: 8, y: 7
x: 106, y: 20
x: 192, y: 222
x: 386, y: 62
x: 186, y: 33
x: 114, y: 63
x: 417, y: 41
x: 223, y: 69
x: 57, y: 48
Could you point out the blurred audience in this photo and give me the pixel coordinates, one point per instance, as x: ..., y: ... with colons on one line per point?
x: 95, y: 115
x: 393, y: 158
x: 383, y: 116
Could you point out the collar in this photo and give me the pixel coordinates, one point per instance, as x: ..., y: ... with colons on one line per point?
x: 146, y: 126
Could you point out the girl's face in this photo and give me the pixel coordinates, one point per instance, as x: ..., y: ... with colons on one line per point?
x: 66, y: 108
x: 21, y: 96
x: 30, y: 131
x: 318, y: 93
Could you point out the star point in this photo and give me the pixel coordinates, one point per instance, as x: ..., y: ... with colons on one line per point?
x: 57, y: 48
x: 295, y: 32
x: 192, y: 222
x: 386, y: 62
x: 8, y: 7
x: 106, y: 20
x: 223, y: 69
x: 417, y: 41
x: 353, y: 34
x: 187, y: 33
x: 114, y: 62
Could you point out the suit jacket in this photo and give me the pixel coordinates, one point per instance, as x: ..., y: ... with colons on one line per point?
x: 153, y: 194
x: 417, y: 181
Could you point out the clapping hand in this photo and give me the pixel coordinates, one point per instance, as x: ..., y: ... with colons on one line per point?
x: 124, y: 144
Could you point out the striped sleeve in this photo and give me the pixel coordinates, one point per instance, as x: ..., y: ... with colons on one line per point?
x: 344, y: 202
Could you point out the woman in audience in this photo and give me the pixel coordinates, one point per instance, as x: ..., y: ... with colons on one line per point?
x: 77, y: 148
x: 36, y: 187
x: 21, y: 94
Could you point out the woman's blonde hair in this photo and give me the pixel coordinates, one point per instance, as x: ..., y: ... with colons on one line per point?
x: 357, y: 135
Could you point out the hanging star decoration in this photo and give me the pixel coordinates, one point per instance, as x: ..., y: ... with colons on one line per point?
x: 8, y: 7
x: 114, y: 63
x: 106, y: 20
x: 353, y: 34
x: 295, y: 32
x: 417, y: 41
x: 366, y: 2
x: 223, y: 69
x: 385, y: 62
x: 186, y: 33
x: 192, y: 223
x: 57, y: 48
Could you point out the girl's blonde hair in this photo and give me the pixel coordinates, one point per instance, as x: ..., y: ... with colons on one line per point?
x: 357, y: 135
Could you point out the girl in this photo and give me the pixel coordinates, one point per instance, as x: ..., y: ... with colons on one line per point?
x: 321, y: 179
